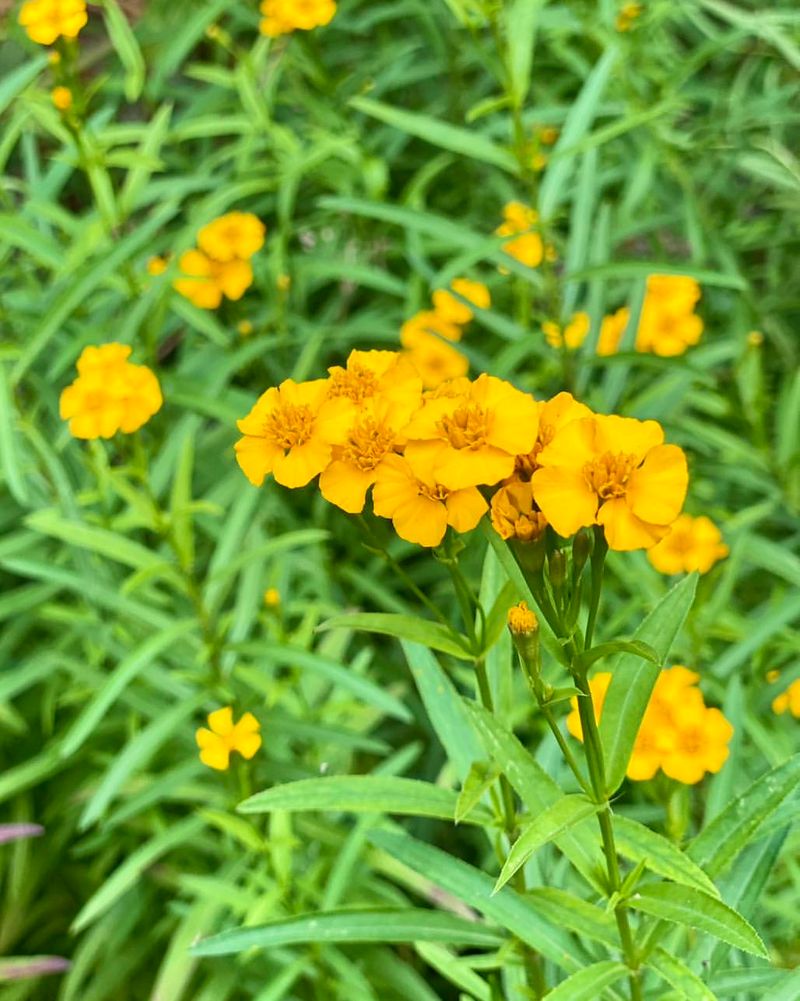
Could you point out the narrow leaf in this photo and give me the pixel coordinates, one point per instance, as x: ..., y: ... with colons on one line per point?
x: 678, y: 975
x: 640, y: 844
x: 588, y: 984
x: 406, y: 627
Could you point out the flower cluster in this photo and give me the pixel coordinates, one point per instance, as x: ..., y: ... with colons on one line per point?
x: 223, y: 737
x: 570, y: 336
x: 788, y: 700
x: 691, y: 544
x: 110, y: 394
x: 284, y: 16
x: 668, y: 324
x: 429, y: 456
x: 429, y: 335
x: 679, y: 733
x: 46, y: 21
x: 220, y: 264
x: 526, y: 244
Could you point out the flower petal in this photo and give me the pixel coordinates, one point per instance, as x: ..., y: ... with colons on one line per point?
x: 465, y: 508
x: 624, y: 531
x: 256, y: 458
x: 565, y: 498
x: 345, y: 486
x: 657, y: 489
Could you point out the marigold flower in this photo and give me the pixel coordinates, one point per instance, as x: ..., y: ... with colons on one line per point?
x: 572, y: 336
x: 615, y: 472
x: 206, y: 281
x: 456, y: 311
x: 598, y: 686
x: 790, y: 699
x: 283, y: 16
x: 701, y: 743
x: 47, y: 20
x: 428, y: 323
x: 156, y: 266
x: 110, y: 394
x: 235, y: 235
x: 61, y: 98
x: 291, y: 431
x: 408, y: 490
x: 611, y: 331
x: 527, y: 247
x: 482, y: 428
x: 368, y: 375
x: 691, y: 544
x: 628, y: 14
x: 521, y: 620
x: 436, y: 362
x: 668, y: 324
x: 272, y: 597
x: 224, y: 737
x: 515, y: 514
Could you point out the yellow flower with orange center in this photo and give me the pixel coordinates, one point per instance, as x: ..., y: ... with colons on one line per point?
x: 409, y: 491
x: 235, y: 235
x: 206, y: 281
x: 554, y: 414
x: 691, y: 544
x: 571, y: 336
x: 110, y: 394
x: 519, y: 221
x: 515, y: 514
x: 291, y: 431
x: 700, y: 745
x: 368, y: 375
x: 453, y: 308
x: 45, y: 21
x: 223, y: 737
x: 482, y: 429
x: 615, y: 472
x: 788, y: 700
x: 284, y: 16
x: 668, y: 324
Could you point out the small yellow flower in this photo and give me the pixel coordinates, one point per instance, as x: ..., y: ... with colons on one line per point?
x: 527, y: 247
x: 628, y: 14
x: 515, y: 514
x: 521, y: 620
x: 45, y: 21
x: 615, y: 472
x: 284, y: 16
x: 668, y: 324
x: 244, y: 328
x: 61, y: 98
x: 572, y: 336
x: 773, y: 675
x: 456, y: 311
x: 224, y: 736
x: 611, y: 331
x: 157, y: 266
x: 205, y: 281
x: 233, y: 236
x: 428, y: 323
x: 701, y: 743
x: 435, y: 361
x: 691, y: 544
x: 272, y: 597
x: 790, y: 699
x: 548, y: 134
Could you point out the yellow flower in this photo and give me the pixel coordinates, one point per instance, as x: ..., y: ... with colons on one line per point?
x: 244, y: 328
x: 290, y: 432
x: 611, y: 330
x: 408, y: 490
x: 668, y: 324
x: 482, y: 429
x: 773, y: 675
x: 598, y: 686
x: 224, y: 736
x: 615, y: 472
x: 61, y: 98
x: 369, y: 375
x: 47, y: 20
x: 157, y: 266
x: 700, y: 745
x: 628, y: 13
x: 790, y: 699
x: 436, y: 362
x: 548, y: 134
x: 428, y: 323
x: 272, y: 597
x: 454, y: 310
x: 515, y: 514
x: 521, y: 620
x: 527, y: 247
x: 283, y: 16
x: 110, y: 394
x: 572, y: 336
x: 235, y: 235
x: 208, y: 280
x: 554, y: 414
x: 691, y: 544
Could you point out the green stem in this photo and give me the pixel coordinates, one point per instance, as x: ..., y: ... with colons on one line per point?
x: 598, y: 566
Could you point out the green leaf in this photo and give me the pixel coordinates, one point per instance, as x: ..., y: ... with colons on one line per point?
x: 369, y: 925
x: 565, y: 910
x: 556, y: 819
x: 515, y: 913
x: 477, y: 782
x: 97, y: 540
x: 466, y: 142
x: 18, y: 79
x: 787, y: 990
x: 405, y: 627
x: 588, y: 984
x: 729, y: 832
x: 635, y: 648
x: 678, y: 975
x: 632, y: 681
x: 362, y: 794
x: 640, y: 844
x: 696, y: 909
x: 11, y: 446
x: 124, y: 41
x: 521, y: 22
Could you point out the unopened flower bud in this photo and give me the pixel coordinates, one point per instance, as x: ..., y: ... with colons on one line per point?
x: 557, y: 565
x: 582, y: 546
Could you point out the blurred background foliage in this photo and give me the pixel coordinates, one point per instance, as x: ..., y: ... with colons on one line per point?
x: 379, y: 152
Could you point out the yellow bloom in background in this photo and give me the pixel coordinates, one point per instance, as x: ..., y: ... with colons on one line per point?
x: 110, y: 394
x: 231, y: 236
x: 428, y: 323
x: 598, y: 686
x: 369, y: 375
x: 788, y: 700
x: 701, y: 739
x: 283, y: 16
x: 454, y: 310
x: 611, y: 330
x: 272, y: 597
x: 668, y: 324
x: 615, y: 472
x: 244, y: 328
x: 572, y: 336
x: 482, y: 429
x: 224, y: 737
x: 435, y: 361
x: 206, y: 281
x: 691, y: 544
x: 61, y: 98
x: 408, y: 490
x: 290, y: 432
x: 45, y: 21
x: 548, y: 134
x: 628, y: 14
x: 515, y: 514
x: 527, y: 246
x: 156, y: 266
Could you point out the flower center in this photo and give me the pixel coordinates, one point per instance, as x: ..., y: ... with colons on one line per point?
x: 691, y: 742
x: 368, y: 443
x: 466, y: 427
x: 437, y: 493
x: 289, y: 425
x: 608, y: 475
x: 355, y: 382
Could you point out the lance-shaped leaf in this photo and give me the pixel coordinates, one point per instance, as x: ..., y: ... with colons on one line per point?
x: 404, y: 627
x: 639, y: 843
x: 678, y: 975
x: 588, y: 984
